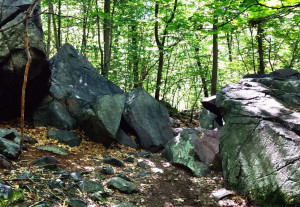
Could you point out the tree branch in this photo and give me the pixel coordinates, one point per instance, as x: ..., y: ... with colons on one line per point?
x: 29, y: 59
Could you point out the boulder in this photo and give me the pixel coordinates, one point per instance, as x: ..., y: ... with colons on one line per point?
x: 13, y: 60
x: 5, y: 164
x: 49, y: 162
x: 65, y: 137
x: 207, y: 148
x: 75, y: 83
x: 149, y: 120
x: 123, y: 139
x: 208, y: 120
x: 260, y: 142
x: 180, y: 151
x: 9, y: 148
x: 101, y: 120
x: 210, y: 104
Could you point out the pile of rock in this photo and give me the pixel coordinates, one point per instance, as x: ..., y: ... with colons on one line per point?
x: 81, y: 97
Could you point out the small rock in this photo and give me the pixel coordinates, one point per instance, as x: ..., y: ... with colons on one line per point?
x: 142, y: 165
x: 54, y: 149
x: 122, y: 185
x: 43, y: 205
x: 75, y: 202
x: 129, y: 159
x: 97, y: 197
x: 28, y: 175
x: 114, y: 162
x: 122, y: 175
x: 222, y: 193
x: 9, y: 149
x: 142, y: 174
x: 133, y: 153
x: 88, y: 186
x: 5, y: 164
x: 108, y: 170
x: 124, y: 204
x: 145, y: 154
x: 62, y: 174
x: 49, y: 162
x: 56, y: 184
x: 65, y: 137
x: 5, y: 191
x: 76, y: 176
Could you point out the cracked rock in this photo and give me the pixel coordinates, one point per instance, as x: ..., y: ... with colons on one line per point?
x: 260, y: 142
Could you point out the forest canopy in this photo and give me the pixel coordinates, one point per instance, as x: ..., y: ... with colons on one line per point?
x: 177, y: 50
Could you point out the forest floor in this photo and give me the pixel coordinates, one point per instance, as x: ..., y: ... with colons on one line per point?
x: 162, y: 184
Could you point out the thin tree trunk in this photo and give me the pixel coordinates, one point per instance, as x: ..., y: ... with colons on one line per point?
x: 86, y: 9
x: 54, y: 26
x: 203, y: 80
x: 229, y: 44
x: 135, y: 58
x: 166, y: 76
x: 239, y: 51
x: 214, y: 78
x: 59, y: 24
x: 161, y: 44
x: 99, y: 38
x: 260, y: 33
x: 253, y: 53
x: 49, y: 29
x: 107, y: 35
x: 294, y: 51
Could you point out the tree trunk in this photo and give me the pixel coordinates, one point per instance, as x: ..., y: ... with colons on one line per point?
x: 260, y: 33
x: 203, y: 79
x: 159, y: 73
x: 295, y: 51
x: 229, y: 44
x: 161, y: 44
x: 86, y: 9
x: 54, y: 26
x: 107, y: 35
x: 135, y: 58
x: 59, y: 24
x: 253, y: 53
x: 49, y: 28
x: 99, y: 38
x: 214, y: 78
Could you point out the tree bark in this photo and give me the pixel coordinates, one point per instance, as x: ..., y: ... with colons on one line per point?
x: 229, y: 44
x: 161, y: 44
x: 99, y: 38
x: 59, y: 24
x: 253, y: 53
x: 203, y: 79
x: 86, y: 9
x: 49, y: 29
x: 214, y: 78
x: 260, y: 33
x: 135, y: 58
x: 107, y: 35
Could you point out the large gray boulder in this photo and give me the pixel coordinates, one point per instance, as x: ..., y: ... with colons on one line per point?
x: 13, y: 60
x: 260, y: 142
x: 102, y: 119
x: 75, y: 83
x: 180, y: 150
x: 149, y: 120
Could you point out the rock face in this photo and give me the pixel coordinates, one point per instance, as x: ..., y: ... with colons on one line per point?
x: 180, y: 150
x: 75, y: 83
x: 149, y: 120
x: 260, y: 142
x: 13, y: 60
